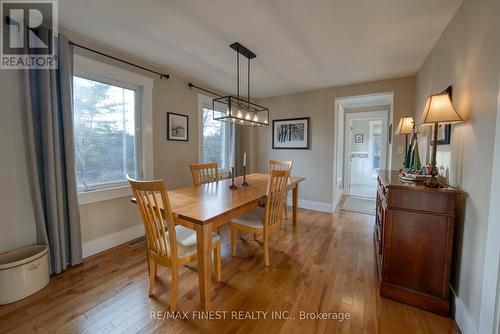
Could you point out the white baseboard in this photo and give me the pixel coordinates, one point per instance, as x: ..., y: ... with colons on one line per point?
x: 462, y: 316
x: 111, y: 240
x: 311, y: 205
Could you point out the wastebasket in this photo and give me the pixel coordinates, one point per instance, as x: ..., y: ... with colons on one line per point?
x: 23, y: 271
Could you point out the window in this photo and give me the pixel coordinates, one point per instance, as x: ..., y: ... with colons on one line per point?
x: 112, y: 129
x: 106, y: 145
x: 215, y: 137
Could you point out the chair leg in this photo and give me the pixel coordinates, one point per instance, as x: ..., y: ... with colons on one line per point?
x: 285, y: 208
x: 152, y: 276
x: 217, y: 262
x: 233, y: 241
x: 255, y: 236
x: 266, y: 249
x: 173, y: 290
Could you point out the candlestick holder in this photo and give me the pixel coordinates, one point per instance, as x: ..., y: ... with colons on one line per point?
x: 232, y: 186
x: 245, y: 183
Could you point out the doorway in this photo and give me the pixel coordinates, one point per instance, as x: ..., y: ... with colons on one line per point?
x: 362, y: 124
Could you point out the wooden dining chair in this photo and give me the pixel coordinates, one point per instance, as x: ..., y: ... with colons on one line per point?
x: 264, y: 220
x: 281, y: 165
x: 204, y: 173
x: 168, y: 245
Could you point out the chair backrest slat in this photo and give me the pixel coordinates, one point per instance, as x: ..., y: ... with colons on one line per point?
x: 151, y: 199
x: 276, y: 193
x: 280, y: 165
x: 204, y: 173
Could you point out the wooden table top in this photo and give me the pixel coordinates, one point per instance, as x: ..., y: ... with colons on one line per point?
x: 205, y: 203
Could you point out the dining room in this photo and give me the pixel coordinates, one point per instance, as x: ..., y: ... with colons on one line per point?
x: 187, y: 166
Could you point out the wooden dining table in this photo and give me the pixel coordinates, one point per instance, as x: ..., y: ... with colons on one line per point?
x: 205, y: 207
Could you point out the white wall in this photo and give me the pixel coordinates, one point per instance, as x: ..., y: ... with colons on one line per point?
x: 17, y: 219
x: 467, y: 55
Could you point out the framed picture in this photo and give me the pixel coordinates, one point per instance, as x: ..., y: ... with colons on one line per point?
x: 444, y: 134
x: 177, y: 127
x: 291, y: 133
x: 358, y: 138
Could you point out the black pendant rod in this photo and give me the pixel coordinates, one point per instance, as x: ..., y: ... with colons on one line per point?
x: 238, y: 73
x: 191, y: 85
x: 162, y: 75
x: 248, y: 87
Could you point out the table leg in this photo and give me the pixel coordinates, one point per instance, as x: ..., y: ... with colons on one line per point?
x: 204, y: 246
x: 295, y: 198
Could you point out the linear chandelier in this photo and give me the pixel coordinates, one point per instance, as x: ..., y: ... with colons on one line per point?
x: 235, y: 109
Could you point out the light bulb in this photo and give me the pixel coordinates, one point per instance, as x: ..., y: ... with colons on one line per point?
x: 227, y: 112
x: 256, y: 118
x: 239, y: 115
x: 247, y: 116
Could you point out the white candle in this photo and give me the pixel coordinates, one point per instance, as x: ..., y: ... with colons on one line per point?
x: 245, y: 159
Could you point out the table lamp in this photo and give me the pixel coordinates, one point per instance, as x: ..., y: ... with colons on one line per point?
x: 438, y: 109
x: 405, y: 127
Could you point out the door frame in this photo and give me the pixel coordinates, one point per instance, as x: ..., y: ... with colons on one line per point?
x: 371, y: 153
x: 489, y: 321
x: 363, y: 115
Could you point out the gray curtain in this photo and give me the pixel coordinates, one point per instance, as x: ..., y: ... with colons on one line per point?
x: 51, y: 149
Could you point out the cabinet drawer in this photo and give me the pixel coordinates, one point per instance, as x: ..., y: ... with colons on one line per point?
x: 430, y: 201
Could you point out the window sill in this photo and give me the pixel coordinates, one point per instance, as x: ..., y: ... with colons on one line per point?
x: 103, y: 194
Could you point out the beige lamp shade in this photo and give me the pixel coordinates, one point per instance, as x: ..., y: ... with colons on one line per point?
x: 439, y: 109
x: 405, y: 126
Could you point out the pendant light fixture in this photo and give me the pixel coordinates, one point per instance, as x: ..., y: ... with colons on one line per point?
x: 236, y: 109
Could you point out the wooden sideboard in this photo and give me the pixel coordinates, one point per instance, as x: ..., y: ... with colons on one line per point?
x: 414, y: 241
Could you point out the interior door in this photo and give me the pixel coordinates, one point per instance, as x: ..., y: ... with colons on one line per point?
x: 365, y: 156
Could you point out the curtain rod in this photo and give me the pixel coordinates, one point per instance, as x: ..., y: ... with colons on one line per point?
x: 162, y: 75
x: 191, y: 85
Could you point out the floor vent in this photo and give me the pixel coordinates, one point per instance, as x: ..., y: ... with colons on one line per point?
x: 136, y: 242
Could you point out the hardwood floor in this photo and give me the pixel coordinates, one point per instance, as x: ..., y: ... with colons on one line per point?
x: 325, y: 263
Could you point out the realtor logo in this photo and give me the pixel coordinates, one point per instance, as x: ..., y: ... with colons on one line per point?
x: 29, y: 29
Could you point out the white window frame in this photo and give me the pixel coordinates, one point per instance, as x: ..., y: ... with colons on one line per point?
x: 95, y: 70
x: 203, y: 102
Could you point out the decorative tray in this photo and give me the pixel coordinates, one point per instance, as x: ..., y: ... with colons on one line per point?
x: 414, y: 177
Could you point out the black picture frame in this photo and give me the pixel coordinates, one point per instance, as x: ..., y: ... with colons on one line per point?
x: 390, y: 133
x: 170, y: 121
x: 446, y: 138
x: 307, y: 135
x: 358, y: 138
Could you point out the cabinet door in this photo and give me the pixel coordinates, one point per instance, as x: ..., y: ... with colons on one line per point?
x: 416, y: 251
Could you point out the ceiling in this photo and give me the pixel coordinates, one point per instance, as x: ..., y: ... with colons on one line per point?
x: 300, y: 45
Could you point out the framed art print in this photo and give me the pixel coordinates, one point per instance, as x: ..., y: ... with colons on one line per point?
x: 358, y: 138
x: 444, y: 134
x: 291, y: 133
x: 177, y: 127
